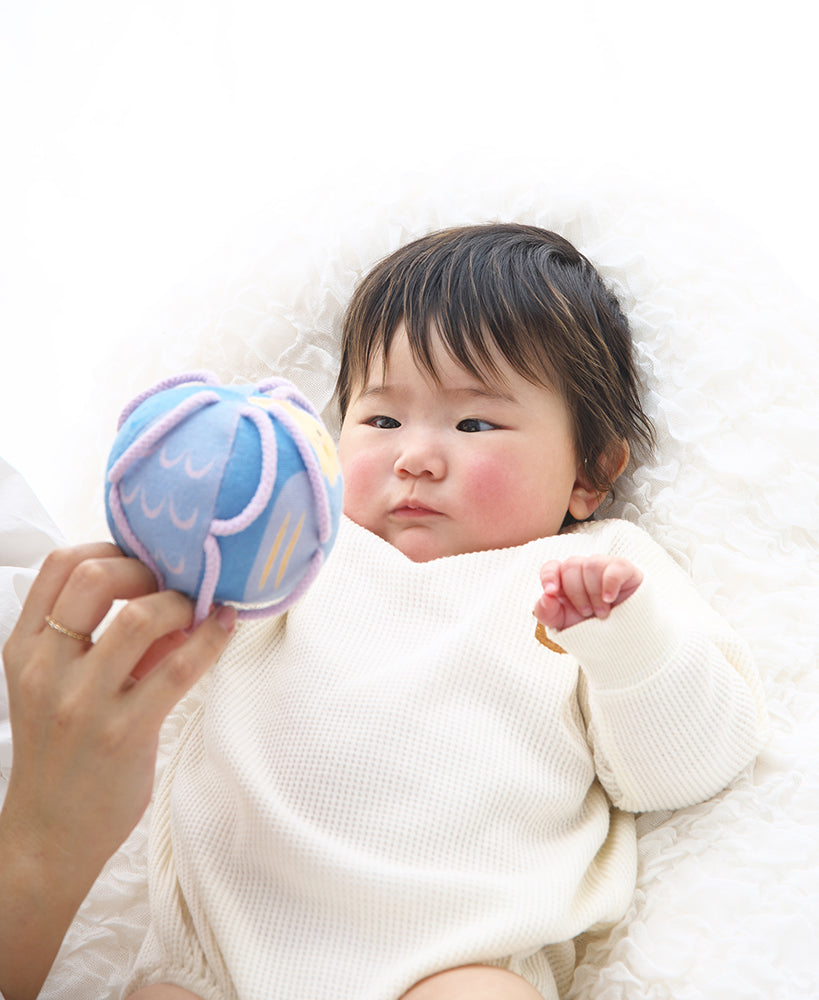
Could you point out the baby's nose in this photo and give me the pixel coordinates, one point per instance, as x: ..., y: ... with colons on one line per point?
x: 421, y: 455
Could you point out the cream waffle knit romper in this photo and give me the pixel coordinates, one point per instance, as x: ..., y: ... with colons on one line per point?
x: 397, y: 777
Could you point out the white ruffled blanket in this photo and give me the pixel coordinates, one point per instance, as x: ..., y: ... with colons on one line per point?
x: 727, y: 902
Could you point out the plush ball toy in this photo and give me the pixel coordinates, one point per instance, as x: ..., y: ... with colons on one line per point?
x: 230, y: 494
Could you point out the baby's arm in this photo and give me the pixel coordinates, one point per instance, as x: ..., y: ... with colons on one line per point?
x: 584, y: 587
x: 673, y: 704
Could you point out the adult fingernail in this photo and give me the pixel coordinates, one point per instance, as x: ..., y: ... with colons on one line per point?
x: 226, y: 617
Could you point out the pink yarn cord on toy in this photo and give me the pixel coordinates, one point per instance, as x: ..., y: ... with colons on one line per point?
x: 311, y: 464
x: 210, y: 577
x: 207, y: 378
x: 146, y: 442
x: 278, y: 388
x: 281, y: 388
x: 139, y: 449
x: 231, y: 526
x: 121, y: 522
x: 267, y: 476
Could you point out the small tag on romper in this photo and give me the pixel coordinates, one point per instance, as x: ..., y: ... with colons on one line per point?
x: 540, y: 635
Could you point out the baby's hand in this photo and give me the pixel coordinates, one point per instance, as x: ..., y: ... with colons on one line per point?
x: 584, y: 587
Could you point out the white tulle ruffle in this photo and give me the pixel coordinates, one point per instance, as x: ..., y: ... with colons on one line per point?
x: 727, y: 904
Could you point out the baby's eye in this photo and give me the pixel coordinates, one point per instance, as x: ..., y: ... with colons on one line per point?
x: 471, y: 425
x: 383, y: 423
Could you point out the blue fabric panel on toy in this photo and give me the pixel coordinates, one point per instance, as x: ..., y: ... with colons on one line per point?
x: 290, y: 516
x: 169, y: 497
x: 227, y: 492
x: 264, y: 563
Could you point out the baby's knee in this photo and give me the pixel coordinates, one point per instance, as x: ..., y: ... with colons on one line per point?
x: 473, y: 982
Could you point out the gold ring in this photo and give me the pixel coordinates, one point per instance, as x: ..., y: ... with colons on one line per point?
x: 53, y: 623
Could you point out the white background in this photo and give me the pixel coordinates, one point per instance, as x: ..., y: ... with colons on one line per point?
x: 138, y: 136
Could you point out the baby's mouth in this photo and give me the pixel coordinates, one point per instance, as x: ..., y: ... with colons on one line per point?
x: 411, y: 509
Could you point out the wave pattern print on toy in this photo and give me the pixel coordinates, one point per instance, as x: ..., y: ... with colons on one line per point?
x: 230, y: 494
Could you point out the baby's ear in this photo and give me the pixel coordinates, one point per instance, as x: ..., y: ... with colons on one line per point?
x: 585, y: 498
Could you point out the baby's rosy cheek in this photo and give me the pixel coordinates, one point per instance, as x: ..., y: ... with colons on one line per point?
x: 489, y: 483
x: 360, y: 478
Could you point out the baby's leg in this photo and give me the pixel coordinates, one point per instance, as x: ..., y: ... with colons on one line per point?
x: 163, y: 991
x: 473, y: 982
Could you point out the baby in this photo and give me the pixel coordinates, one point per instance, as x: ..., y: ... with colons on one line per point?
x: 406, y: 787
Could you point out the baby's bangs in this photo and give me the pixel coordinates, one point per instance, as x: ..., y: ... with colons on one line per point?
x: 465, y: 313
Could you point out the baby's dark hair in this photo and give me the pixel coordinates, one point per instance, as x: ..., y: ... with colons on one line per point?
x: 519, y: 290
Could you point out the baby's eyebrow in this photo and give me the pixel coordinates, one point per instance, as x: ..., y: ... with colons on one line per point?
x: 487, y: 392
x: 373, y: 390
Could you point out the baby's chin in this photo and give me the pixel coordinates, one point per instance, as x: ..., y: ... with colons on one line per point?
x: 422, y: 545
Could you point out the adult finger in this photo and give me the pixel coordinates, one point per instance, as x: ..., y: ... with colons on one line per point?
x: 157, y: 652
x: 159, y: 690
x: 139, y: 625
x: 92, y: 587
x: 54, y: 574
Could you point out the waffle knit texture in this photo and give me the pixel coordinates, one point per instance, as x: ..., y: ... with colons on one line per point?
x: 396, y: 777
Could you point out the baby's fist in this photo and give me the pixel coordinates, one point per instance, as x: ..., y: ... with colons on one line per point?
x: 584, y: 587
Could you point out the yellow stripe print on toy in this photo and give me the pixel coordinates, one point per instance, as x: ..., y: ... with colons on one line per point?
x: 288, y: 552
x: 322, y: 445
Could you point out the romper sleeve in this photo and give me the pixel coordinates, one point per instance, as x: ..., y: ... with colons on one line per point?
x: 672, y: 700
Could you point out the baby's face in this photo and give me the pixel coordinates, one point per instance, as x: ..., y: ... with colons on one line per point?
x: 438, y: 468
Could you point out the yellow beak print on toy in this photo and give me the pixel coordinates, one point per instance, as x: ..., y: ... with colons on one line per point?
x: 314, y: 430
x: 230, y: 494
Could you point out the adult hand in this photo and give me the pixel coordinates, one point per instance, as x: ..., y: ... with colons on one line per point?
x: 85, y: 723
x: 584, y: 587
